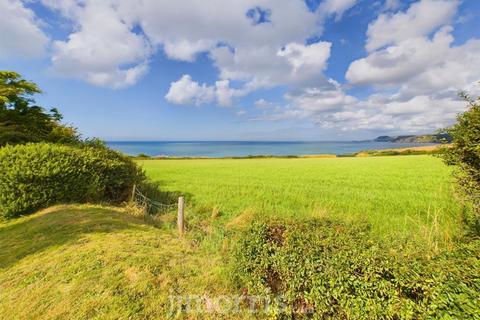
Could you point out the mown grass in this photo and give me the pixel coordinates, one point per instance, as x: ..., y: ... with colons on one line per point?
x: 90, y: 262
x: 403, y: 198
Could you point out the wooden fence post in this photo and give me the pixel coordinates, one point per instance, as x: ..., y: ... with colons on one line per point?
x: 181, y: 205
x: 132, y: 199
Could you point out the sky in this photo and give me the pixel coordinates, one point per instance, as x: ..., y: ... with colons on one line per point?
x: 246, y: 69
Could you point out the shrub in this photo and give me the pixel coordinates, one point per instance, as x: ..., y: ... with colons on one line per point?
x: 37, y: 175
x: 465, y: 154
x: 335, y: 271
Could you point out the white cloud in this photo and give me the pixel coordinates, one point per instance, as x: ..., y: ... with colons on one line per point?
x: 296, y: 64
x: 420, y: 19
x: 306, y: 58
x: 334, y: 109
x: 396, y: 64
x: 316, y: 100
x: 188, y: 92
x: 103, y: 50
x: 417, y: 75
x: 336, y: 7
x: 264, y: 104
x: 225, y: 93
x: 241, y: 50
x: 20, y: 33
x: 412, y: 64
x: 185, y: 91
x: 391, y: 4
x: 185, y: 50
x: 420, y: 64
x: 421, y: 114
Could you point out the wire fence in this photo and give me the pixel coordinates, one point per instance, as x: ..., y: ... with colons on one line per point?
x: 150, y: 206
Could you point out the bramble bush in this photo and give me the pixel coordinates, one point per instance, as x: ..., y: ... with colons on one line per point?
x: 329, y: 270
x: 36, y: 175
x: 465, y: 155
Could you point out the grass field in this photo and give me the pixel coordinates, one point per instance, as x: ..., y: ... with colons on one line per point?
x: 402, y: 197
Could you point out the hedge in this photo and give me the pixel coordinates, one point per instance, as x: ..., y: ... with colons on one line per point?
x: 37, y: 175
x: 329, y: 270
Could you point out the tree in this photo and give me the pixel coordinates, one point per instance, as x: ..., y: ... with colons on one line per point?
x: 465, y: 154
x: 22, y: 121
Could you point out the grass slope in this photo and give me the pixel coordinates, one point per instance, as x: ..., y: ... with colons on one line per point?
x: 88, y: 262
x: 402, y: 197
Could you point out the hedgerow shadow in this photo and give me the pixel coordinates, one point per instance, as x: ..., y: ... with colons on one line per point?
x: 153, y: 190
x: 57, y: 226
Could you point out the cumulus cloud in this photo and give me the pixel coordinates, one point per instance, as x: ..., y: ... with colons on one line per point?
x: 129, y: 32
x: 103, y: 50
x: 415, y: 72
x: 316, y: 100
x: 264, y: 104
x: 336, y: 7
x: 419, y: 20
x: 185, y: 50
x: 391, y: 4
x: 306, y: 58
x: 188, y: 92
x: 416, y: 77
x: 185, y: 91
x: 20, y: 35
x: 413, y: 64
x: 398, y: 63
x: 267, y: 51
x: 418, y: 114
x: 297, y: 64
x: 420, y: 64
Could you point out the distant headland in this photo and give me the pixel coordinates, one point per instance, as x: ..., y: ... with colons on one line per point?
x: 426, y: 138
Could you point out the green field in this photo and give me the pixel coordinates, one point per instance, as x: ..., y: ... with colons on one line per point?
x: 402, y: 197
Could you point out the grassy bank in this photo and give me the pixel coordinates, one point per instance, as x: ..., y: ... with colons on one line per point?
x: 90, y: 262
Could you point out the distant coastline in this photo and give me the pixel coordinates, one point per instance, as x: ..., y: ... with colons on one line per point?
x: 425, y: 138
x: 423, y: 150
x: 253, y: 149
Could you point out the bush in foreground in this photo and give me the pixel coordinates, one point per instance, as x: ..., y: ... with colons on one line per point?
x: 465, y: 154
x: 336, y: 271
x: 37, y: 175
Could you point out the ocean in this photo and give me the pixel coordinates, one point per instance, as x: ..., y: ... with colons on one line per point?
x: 218, y: 149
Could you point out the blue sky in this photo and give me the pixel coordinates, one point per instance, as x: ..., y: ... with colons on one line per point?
x: 249, y: 70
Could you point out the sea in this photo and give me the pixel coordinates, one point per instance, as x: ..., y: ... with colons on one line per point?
x: 220, y: 149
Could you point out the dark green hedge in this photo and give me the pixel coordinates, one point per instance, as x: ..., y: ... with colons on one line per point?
x: 37, y: 175
x: 333, y: 271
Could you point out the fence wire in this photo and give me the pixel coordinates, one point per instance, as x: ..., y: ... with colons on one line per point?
x: 150, y: 206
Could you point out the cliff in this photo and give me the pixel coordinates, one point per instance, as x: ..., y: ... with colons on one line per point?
x: 426, y: 138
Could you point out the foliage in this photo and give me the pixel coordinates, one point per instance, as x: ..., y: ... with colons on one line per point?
x: 336, y: 271
x: 406, y: 152
x: 465, y: 154
x: 21, y: 121
x: 37, y: 175
x: 142, y: 155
